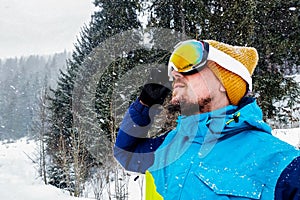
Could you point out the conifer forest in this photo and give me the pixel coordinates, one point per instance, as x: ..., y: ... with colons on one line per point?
x: 73, y: 103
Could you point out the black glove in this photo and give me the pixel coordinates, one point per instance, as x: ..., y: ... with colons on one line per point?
x: 157, y: 87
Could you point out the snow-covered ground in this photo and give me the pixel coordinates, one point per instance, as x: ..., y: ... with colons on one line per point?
x: 19, y: 178
x: 291, y: 136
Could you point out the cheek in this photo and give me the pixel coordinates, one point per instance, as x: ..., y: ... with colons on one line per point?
x: 200, y: 88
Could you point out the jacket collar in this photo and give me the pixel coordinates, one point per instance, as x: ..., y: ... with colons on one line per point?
x: 208, y: 128
x: 231, y: 119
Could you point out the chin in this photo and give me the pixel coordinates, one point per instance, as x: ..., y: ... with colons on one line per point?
x: 184, y: 107
x: 194, y: 107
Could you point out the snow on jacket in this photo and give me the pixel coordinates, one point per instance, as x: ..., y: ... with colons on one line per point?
x: 225, y: 154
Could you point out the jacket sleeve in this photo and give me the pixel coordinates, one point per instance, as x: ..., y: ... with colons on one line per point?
x: 133, y: 150
x: 288, y: 184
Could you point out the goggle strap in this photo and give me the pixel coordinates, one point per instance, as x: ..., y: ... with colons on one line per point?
x: 170, y: 66
x: 231, y: 64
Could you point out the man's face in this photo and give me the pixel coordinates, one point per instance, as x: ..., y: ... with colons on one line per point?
x: 201, y: 89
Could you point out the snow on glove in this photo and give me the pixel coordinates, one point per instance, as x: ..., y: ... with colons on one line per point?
x: 157, y: 87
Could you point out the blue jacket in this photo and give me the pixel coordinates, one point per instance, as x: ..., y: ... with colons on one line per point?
x: 225, y: 154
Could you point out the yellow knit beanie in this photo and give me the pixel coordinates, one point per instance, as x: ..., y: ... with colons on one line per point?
x: 236, y: 87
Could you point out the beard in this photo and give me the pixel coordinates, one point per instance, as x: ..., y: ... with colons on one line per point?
x: 186, y: 100
x: 190, y: 108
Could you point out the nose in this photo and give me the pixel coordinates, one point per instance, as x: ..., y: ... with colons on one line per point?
x: 176, y: 75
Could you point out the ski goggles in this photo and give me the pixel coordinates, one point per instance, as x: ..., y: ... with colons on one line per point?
x: 191, y: 56
x: 188, y: 57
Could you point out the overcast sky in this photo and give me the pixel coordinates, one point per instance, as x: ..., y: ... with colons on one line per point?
x: 41, y: 26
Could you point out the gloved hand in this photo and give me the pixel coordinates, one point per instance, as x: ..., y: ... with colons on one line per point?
x: 157, y: 87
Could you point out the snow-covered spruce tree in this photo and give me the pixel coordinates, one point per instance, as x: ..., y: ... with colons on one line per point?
x: 115, y: 18
x: 61, y: 135
x: 58, y: 137
x: 67, y: 143
x: 228, y: 21
x: 277, y: 37
x: 184, y: 17
x: 288, y: 108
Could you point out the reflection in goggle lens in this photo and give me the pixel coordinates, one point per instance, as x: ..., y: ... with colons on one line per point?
x: 188, y: 57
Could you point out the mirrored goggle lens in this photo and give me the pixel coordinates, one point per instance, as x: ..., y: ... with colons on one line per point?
x: 188, y: 56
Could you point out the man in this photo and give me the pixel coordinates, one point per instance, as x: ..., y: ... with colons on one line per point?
x: 220, y: 148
